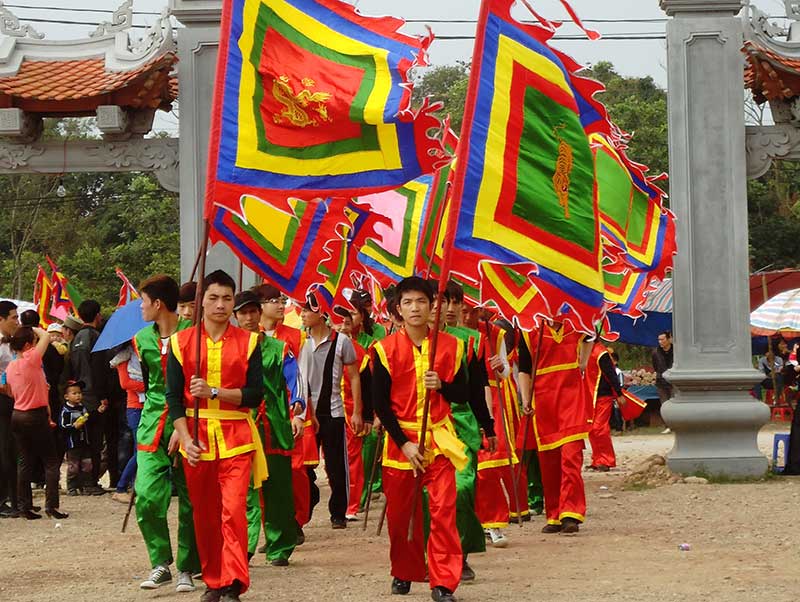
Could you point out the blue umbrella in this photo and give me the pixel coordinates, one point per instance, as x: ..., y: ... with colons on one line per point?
x: 125, y: 322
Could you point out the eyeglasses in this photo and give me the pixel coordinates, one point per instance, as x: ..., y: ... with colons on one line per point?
x: 277, y: 300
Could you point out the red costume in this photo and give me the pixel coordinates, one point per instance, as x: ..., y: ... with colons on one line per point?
x: 398, y: 394
x: 495, y: 497
x: 218, y: 484
x: 354, y: 443
x: 601, y: 378
x: 562, y: 419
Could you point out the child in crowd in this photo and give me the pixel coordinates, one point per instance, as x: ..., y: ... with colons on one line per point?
x: 73, y: 421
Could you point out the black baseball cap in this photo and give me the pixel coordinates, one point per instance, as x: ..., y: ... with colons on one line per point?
x: 246, y: 298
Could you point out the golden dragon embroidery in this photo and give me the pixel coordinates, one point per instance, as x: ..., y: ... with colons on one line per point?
x: 298, y: 108
x: 561, y: 177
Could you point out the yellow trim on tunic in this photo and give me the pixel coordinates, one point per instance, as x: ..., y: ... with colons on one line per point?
x: 574, y: 515
x: 213, y: 416
x: 447, y: 444
x: 563, y: 441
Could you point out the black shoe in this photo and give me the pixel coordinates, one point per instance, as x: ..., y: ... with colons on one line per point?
x: 442, y: 594
x: 602, y: 468
x: 301, y: 537
x: 570, y: 526
x: 54, y: 513
x: 231, y: 593
x: 250, y: 557
x: 467, y: 574
x: 548, y: 528
x: 73, y: 492
x: 279, y: 562
x: 211, y: 595
x: 94, y: 490
x: 36, y: 508
x: 514, y: 520
x: 29, y: 514
x: 7, y: 511
x: 400, y: 587
x: 338, y: 523
x: 262, y: 549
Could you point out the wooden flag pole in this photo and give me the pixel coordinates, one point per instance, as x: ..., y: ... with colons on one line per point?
x: 198, y: 323
x: 437, y: 229
x: 525, y: 429
x: 509, y: 444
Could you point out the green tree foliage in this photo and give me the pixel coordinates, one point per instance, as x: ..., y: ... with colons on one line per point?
x: 105, y: 220
x: 448, y: 84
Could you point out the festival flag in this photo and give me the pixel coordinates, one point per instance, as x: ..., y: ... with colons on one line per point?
x: 282, y: 246
x: 127, y: 292
x: 66, y: 297
x: 43, y: 296
x: 638, y: 232
x: 312, y: 100
x: 391, y: 255
x: 523, y: 186
x: 342, y: 271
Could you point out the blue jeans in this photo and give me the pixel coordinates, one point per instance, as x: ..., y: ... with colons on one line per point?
x: 129, y: 474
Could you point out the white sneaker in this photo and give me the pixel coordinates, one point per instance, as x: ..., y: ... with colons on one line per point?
x: 351, y: 518
x: 497, y: 538
x: 159, y: 576
x: 185, y: 583
x: 666, y: 431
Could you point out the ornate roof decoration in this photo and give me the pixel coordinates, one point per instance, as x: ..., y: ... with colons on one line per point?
x: 74, y: 77
x: 772, y: 52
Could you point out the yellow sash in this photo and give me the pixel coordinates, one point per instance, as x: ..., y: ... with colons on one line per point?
x: 446, y: 440
x: 260, y: 472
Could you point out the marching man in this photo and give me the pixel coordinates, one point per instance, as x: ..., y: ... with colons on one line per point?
x: 218, y: 467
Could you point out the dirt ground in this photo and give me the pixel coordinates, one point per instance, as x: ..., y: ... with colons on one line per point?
x: 743, y: 547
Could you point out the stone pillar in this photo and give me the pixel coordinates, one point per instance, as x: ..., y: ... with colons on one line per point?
x: 198, y: 44
x: 714, y: 418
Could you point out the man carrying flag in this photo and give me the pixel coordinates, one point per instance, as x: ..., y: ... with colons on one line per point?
x: 227, y: 451
x: 561, y: 407
x: 400, y: 380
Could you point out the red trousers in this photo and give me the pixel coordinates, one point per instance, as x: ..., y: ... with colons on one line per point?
x: 495, y: 501
x: 444, y: 545
x: 218, y: 492
x: 301, y: 487
x: 356, y: 468
x: 564, y: 496
x: 600, y: 435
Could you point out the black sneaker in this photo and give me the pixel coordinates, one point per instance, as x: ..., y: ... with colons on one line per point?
x: 338, y: 523
x: 262, y: 549
x: 548, y: 528
x: 73, y: 492
x: 467, y: 574
x: 442, y: 594
x: 7, y: 511
x: 279, y: 562
x: 400, y: 587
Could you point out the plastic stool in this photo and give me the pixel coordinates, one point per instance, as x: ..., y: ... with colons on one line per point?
x: 776, y: 443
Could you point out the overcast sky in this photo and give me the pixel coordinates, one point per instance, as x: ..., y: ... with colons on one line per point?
x: 630, y: 57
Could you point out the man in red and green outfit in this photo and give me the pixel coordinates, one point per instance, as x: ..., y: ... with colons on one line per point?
x: 470, y: 415
x: 305, y: 456
x: 227, y: 453
x: 276, y: 503
x: 562, y: 417
x: 400, y: 379
x: 157, y: 442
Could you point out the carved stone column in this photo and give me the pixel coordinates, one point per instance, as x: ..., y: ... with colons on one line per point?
x: 198, y: 43
x: 714, y: 418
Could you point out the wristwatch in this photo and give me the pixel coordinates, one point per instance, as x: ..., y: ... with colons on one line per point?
x: 214, y: 392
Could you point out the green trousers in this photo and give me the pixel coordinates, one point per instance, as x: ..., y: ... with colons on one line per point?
x: 368, y: 449
x: 535, y: 488
x: 154, y: 477
x: 278, y: 518
x: 469, y: 527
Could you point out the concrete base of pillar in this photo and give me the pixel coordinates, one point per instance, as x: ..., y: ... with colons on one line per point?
x: 716, y: 433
